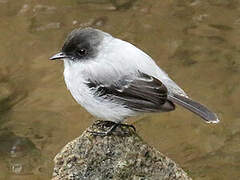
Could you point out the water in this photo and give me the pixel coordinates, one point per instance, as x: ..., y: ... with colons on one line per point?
x: 197, y: 42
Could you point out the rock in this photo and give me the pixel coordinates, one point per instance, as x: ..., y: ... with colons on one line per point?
x: 121, y: 155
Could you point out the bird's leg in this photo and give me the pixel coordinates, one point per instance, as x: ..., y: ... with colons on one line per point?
x: 112, y: 126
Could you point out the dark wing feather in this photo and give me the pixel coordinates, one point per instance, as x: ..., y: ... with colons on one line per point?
x: 144, y: 93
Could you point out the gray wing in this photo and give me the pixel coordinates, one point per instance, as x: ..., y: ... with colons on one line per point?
x: 143, y: 93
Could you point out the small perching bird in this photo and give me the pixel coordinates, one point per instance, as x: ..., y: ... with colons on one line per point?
x: 114, y: 80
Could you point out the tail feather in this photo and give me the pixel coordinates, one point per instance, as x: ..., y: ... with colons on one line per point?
x: 194, y: 107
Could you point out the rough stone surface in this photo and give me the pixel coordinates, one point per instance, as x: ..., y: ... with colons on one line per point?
x: 121, y: 155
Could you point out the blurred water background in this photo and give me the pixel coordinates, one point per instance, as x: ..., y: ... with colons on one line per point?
x: 196, y: 41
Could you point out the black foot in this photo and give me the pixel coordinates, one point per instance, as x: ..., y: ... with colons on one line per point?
x: 111, y: 127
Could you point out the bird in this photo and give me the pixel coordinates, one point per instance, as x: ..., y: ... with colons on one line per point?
x: 113, y: 79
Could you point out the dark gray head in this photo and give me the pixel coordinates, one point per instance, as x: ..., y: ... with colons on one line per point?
x: 81, y: 44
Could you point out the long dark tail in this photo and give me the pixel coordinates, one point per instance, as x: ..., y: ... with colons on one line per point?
x: 195, y: 107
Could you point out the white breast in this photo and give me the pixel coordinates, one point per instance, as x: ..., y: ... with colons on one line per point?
x: 98, y: 107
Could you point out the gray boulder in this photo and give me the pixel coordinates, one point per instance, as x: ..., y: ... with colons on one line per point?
x: 121, y: 155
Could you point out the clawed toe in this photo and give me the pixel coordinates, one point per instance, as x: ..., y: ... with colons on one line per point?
x: 112, y: 126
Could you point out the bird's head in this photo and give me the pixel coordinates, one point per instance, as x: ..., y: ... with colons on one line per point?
x: 81, y: 45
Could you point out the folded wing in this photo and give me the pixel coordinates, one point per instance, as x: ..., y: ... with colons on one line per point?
x: 143, y: 94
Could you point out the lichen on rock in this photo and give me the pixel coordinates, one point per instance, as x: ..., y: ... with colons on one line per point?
x: 121, y: 155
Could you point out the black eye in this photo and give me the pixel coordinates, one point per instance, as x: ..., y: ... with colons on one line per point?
x: 82, y: 52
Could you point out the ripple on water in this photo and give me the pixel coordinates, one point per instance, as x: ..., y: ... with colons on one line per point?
x: 18, y: 153
x: 118, y: 4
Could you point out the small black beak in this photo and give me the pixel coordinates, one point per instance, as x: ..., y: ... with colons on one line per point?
x: 59, y: 55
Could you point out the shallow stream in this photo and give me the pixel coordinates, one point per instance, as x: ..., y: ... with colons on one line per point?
x: 196, y: 41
